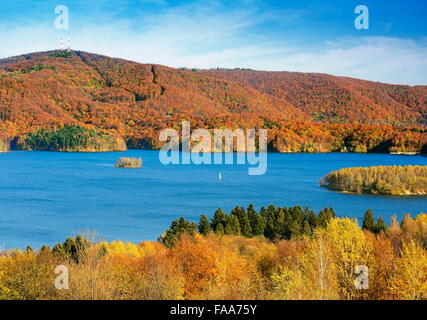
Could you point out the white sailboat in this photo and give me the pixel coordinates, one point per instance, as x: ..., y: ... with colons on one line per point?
x: 220, y: 176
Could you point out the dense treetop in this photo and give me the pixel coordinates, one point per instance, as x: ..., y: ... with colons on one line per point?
x: 304, y: 112
x: 338, y: 99
x: 270, y: 222
x: 312, y: 244
x: 70, y: 138
x: 316, y: 264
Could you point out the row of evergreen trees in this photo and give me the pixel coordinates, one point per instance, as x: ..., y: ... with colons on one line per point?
x: 370, y: 224
x: 72, y: 249
x: 271, y: 222
x: 69, y: 137
x: 62, y: 54
x: 37, y: 67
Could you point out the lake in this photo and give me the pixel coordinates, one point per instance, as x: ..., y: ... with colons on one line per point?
x: 46, y: 197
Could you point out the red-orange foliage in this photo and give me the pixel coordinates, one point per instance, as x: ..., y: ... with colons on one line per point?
x: 137, y: 100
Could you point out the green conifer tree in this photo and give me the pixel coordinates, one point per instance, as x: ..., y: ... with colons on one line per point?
x: 258, y: 227
x: 233, y: 225
x: 251, y: 214
x: 219, y: 218
x: 177, y: 228
x: 324, y: 216
x: 220, y: 230
x: 306, y: 229
x: 368, y: 221
x: 204, y: 225
x: 380, y: 226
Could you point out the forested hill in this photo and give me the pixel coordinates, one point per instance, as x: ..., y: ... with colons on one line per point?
x: 337, y: 99
x: 304, y: 112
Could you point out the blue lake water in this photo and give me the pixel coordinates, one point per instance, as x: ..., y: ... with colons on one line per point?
x: 47, y: 196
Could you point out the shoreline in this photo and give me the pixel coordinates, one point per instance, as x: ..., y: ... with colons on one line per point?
x: 268, y: 152
x: 405, y: 195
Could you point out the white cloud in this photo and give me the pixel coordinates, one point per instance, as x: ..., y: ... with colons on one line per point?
x: 383, y: 59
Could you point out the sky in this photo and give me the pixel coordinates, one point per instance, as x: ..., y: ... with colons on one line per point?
x: 273, y: 35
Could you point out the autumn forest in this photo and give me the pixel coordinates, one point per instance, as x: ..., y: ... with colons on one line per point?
x: 132, y: 102
x: 74, y: 101
x: 276, y: 253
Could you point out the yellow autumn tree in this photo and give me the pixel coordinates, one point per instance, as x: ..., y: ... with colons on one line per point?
x: 350, y: 250
x: 380, y: 270
x: 309, y: 273
x: 318, y: 269
x: 409, y: 278
x: 196, y: 261
x: 25, y: 276
x: 236, y: 276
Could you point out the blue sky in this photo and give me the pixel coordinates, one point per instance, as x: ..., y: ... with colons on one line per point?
x: 289, y: 35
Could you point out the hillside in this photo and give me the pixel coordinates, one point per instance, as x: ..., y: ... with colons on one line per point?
x: 338, y: 99
x: 51, y: 89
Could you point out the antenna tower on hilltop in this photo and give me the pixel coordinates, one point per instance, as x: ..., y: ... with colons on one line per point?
x: 69, y: 42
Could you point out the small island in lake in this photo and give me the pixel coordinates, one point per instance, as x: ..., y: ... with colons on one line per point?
x: 125, y: 162
x: 385, y: 180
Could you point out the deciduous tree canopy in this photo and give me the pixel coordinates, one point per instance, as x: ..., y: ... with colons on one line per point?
x: 303, y: 112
